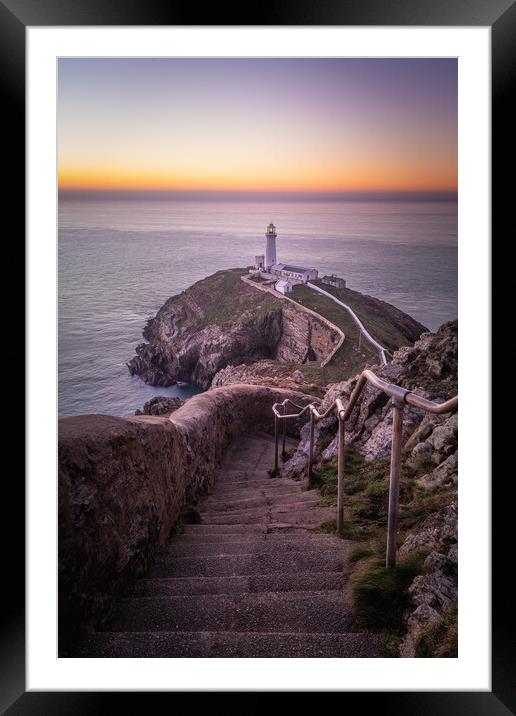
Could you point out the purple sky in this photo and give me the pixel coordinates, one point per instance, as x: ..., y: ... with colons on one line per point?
x: 258, y: 124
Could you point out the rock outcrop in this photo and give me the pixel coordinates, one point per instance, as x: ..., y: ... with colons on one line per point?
x: 222, y: 321
x: 160, y: 405
x: 430, y: 453
x: 431, y: 437
x: 434, y: 592
x: 266, y: 372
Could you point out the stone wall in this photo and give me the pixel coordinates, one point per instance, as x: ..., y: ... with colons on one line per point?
x: 123, y: 482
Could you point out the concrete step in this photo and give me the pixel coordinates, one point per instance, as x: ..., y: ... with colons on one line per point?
x: 316, y: 538
x: 247, y: 564
x: 221, y: 644
x: 246, y: 464
x: 239, y: 477
x: 220, y: 492
x: 219, y: 549
x: 299, y: 515
x: 285, y: 582
x: 269, y: 437
x: 272, y: 528
x: 218, y: 503
x: 203, y: 529
x: 297, y: 502
x: 244, y: 483
x: 266, y: 611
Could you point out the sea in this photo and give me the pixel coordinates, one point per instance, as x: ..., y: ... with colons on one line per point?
x: 120, y: 259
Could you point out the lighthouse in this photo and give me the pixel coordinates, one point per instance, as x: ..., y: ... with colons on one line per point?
x: 270, y: 248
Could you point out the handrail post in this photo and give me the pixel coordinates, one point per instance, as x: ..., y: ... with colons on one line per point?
x: 340, y: 479
x: 275, y: 445
x: 311, y: 450
x: 394, y: 482
x: 284, y: 433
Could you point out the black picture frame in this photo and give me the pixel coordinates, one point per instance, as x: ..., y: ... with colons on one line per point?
x: 15, y: 17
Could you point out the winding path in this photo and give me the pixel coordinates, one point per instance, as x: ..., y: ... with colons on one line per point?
x: 357, y: 320
x: 268, y: 289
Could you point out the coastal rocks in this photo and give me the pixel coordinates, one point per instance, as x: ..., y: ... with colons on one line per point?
x: 432, y: 594
x: 432, y: 363
x: 440, y: 444
x: 222, y: 321
x: 265, y: 372
x: 160, y: 405
x: 154, y: 364
x: 431, y: 438
x: 441, y: 530
x: 198, y: 357
x: 445, y: 473
x: 297, y: 464
x: 303, y: 337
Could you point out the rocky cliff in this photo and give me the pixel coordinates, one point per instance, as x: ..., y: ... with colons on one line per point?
x: 428, y: 497
x: 221, y: 321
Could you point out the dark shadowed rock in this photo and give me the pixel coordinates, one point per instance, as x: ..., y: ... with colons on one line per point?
x: 221, y: 321
x: 160, y: 405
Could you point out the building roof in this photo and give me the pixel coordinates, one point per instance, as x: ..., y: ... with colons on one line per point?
x: 299, y: 269
x: 282, y: 283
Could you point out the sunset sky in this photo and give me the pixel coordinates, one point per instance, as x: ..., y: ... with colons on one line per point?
x: 258, y: 124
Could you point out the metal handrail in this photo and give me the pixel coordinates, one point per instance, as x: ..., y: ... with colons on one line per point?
x: 399, y: 398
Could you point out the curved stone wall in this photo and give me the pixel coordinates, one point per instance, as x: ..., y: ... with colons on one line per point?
x: 123, y: 482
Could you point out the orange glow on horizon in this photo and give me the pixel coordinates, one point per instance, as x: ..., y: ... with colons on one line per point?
x: 91, y: 179
x: 313, y: 125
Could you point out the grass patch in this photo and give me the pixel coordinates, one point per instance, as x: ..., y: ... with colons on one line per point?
x: 329, y: 527
x: 349, y: 359
x: 387, y: 324
x: 381, y: 595
x: 440, y: 639
x: 423, y: 505
x: 360, y: 552
x: 224, y: 298
x: 365, y: 491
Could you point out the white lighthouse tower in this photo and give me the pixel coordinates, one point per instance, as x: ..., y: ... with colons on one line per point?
x: 270, y: 249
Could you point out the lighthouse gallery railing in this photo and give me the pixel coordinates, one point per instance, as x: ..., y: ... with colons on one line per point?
x: 399, y: 398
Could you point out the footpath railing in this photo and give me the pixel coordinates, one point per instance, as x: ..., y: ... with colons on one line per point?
x: 399, y: 398
x: 382, y: 351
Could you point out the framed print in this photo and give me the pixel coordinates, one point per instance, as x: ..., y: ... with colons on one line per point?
x: 253, y: 249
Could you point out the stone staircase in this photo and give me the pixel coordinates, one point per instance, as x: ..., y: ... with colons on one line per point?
x: 254, y: 579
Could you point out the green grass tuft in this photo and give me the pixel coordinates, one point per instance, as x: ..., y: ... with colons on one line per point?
x: 329, y: 527
x: 381, y: 595
x: 360, y: 552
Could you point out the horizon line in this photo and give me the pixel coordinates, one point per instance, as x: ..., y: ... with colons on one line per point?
x: 250, y: 194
